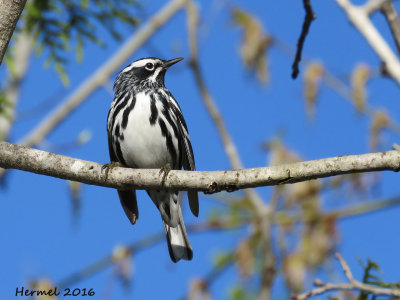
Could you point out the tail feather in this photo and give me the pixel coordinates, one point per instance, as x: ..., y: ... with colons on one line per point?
x: 168, y: 205
x: 129, y: 204
x: 178, y: 243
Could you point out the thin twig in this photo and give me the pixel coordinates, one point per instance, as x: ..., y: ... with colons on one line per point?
x: 309, y: 17
x: 353, y: 285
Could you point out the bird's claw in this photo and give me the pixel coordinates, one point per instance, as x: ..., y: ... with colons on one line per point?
x: 108, y: 167
x: 164, y: 171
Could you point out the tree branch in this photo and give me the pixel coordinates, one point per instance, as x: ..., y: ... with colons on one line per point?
x: 353, y: 285
x: 41, y: 162
x: 359, y: 16
x: 10, y: 11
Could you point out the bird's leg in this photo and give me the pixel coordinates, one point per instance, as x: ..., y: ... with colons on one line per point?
x: 164, y: 171
x: 108, y: 167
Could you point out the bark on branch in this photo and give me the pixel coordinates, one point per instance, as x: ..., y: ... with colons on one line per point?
x: 10, y: 12
x: 19, y: 157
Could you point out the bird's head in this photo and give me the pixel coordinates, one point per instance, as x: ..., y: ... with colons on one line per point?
x: 144, y: 73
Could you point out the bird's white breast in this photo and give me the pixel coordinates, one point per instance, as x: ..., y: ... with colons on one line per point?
x: 143, y: 145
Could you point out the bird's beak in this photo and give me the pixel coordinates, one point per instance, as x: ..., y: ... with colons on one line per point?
x: 171, y: 62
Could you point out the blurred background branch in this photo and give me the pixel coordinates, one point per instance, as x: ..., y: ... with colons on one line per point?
x: 359, y: 17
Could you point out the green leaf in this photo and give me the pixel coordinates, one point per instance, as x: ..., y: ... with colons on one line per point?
x: 222, y: 259
x: 79, y: 49
x: 62, y: 72
x: 8, y: 59
x: 237, y: 293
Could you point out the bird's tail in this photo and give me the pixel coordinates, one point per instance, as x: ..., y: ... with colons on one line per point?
x: 178, y: 242
x: 169, y: 206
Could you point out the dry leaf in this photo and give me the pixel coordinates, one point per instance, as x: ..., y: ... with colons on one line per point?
x: 279, y: 154
x: 46, y: 288
x: 380, y: 121
x: 255, y: 43
x: 75, y: 189
x: 359, y: 78
x: 121, y: 258
x: 199, y: 290
x: 245, y: 258
x: 294, y: 271
x: 312, y: 79
x: 319, y: 240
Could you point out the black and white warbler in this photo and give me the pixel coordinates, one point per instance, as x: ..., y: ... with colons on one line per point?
x: 146, y: 129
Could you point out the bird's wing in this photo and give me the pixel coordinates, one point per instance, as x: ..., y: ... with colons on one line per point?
x: 113, y: 156
x: 187, y: 155
x: 127, y: 198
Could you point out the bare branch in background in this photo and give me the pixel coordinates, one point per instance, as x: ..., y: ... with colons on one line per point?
x: 21, y: 51
x: 373, y: 5
x: 352, y: 285
x: 359, y: 16
x: 263, y: 212
x: 390, y: 14
x: 10, y: 11
x: 282, y: 218
x: 229, y: 146
x: 309, y: 17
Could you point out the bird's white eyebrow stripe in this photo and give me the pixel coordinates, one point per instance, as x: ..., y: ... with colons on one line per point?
x: 138, y: 64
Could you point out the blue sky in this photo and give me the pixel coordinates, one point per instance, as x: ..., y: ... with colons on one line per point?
x: 37, y: 234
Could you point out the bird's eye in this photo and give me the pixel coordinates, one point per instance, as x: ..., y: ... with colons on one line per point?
x: 149, y: 67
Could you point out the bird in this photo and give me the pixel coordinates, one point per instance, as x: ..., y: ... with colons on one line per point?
x: 146, y: 129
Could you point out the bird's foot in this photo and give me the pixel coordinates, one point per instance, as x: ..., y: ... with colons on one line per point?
x: 108, y: 167
x: 164, y: 171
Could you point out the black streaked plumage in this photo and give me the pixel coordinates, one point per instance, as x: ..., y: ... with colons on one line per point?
x: 146, y: 129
